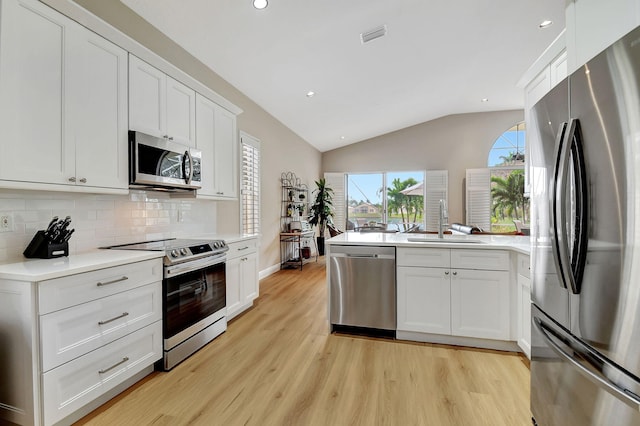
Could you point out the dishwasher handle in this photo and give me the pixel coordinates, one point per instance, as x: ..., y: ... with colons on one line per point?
x: 364, y: 256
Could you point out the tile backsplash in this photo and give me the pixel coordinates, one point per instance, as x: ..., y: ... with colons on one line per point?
x: 101, y: 220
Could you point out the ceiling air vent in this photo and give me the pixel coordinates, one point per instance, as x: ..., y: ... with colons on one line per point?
x: 373, y: 34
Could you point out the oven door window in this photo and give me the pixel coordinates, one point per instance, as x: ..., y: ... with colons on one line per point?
x: 193, y: 296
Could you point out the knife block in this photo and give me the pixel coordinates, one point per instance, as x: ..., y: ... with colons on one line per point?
x: 41, y: 248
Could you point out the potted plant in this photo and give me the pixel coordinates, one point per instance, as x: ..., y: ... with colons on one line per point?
x: 321, y: 211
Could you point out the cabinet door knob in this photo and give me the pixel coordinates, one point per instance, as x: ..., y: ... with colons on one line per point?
x: 83, y: 180
x: 455, y: 273
x: 171, y: 138
x: 166, y: 136
x: 72, y: 179
x: 446, y: 272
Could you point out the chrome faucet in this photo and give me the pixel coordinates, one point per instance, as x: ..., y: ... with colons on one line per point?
x: 442, y: 219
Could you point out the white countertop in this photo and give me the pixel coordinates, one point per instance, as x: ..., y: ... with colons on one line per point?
x: 46, y: 269
x: 520, y: 244
x: 33, y: 270
x: 228, y: 238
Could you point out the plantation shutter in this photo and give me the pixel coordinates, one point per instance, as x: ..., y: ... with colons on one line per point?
x: 478, y: 198
x: 436, y: 189
x: 250, y: 184
x: 335, y: 181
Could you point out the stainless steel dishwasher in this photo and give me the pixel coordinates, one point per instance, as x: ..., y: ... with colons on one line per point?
x: 363, y: 289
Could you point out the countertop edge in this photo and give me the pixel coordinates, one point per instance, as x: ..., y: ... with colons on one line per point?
x: 399, y: 240
x: 35, y: 270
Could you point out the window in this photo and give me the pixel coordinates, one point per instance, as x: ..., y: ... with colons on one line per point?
x: 250, y: 184
x: 509, y: 149
x: 495, y: 196
x: 401, y: 200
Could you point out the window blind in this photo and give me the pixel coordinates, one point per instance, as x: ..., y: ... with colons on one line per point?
x: 335, y: 181
x: 436, y: 189
x: 250, y: 184
x: 478, y: 198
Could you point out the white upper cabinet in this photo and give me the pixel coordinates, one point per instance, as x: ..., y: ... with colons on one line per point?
x: 62, y: 102
x: 159, y: 105
x: 216, y: 137
x: 32, y: 82
x: 548, y: 70
x: 226, y: 161
x: 592, y: 25
x: 205, y: 141
x: 147, y: 98
x: 100, y: 111
x: 181, y: 112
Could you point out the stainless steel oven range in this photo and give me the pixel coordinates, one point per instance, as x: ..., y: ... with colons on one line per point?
x: 194, y: 294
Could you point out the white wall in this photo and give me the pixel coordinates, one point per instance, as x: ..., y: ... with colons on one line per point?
x: 101, y: 220
x: 455, y: 143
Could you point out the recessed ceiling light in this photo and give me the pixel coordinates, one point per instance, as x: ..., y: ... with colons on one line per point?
x: 310, y: 94
x: 546, y: 23
x: 484, y: 100
x: 342, y: 137
x: 260, y: 4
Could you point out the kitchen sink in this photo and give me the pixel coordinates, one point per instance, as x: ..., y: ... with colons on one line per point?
x: 444, y: 240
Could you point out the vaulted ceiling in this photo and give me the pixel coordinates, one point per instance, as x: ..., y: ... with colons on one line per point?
x: 437, y: 58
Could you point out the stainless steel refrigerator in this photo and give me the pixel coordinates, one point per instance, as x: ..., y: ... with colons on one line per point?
x: 585, y: 189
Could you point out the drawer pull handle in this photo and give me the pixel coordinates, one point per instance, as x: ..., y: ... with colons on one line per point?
x: 117, y: 280
x: 124, y: 314
x: 106, y: 370
x: 243, y: 248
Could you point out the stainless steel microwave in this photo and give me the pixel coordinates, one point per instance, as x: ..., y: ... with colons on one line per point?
x: 161, y: 164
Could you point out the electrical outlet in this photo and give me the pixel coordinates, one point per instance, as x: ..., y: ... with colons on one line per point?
x: 6, y: 223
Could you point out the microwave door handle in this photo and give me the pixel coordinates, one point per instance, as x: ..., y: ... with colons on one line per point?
x: 555, y: 206
x: 187, y: 158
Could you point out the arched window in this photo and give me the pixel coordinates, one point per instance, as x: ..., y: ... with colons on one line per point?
x: 509, y: 149
x: 509, y: 206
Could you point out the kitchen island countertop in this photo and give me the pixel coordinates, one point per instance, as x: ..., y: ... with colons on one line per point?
x: 517, y: 243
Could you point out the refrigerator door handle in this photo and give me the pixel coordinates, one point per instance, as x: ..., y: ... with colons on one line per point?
x: 580, y: 360
x: 581, y: 226
x: 556, y: 236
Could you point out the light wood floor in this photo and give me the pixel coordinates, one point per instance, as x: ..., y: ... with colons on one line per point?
x: 277, y: 365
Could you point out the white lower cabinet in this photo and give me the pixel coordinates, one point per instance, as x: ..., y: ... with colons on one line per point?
x: 424, y: 300
x: 70, y: 386
x: 71, y: 332
x: 457, y: 292
x: 524, y: 304
x: 241, y: 276
x: 72, y: 339
x: 480, y: 304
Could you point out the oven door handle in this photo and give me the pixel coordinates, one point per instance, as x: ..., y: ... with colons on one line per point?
x: 183, y: 268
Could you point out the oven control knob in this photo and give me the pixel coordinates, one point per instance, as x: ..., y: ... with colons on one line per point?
x: 183, y: 251
x: 216, y: 244
x: 174, y: 253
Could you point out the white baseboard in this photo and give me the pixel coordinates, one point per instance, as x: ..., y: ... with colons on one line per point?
x: 500, y: 345
x: 268, y: 271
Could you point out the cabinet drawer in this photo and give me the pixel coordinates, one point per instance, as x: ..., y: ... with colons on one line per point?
x: 427, y: 257
x: 240, y: 248
x: 489, y: 260
x: 76, y: 383
x: 68, y: 291
x: 72, y: 332
x: 524, y: 268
